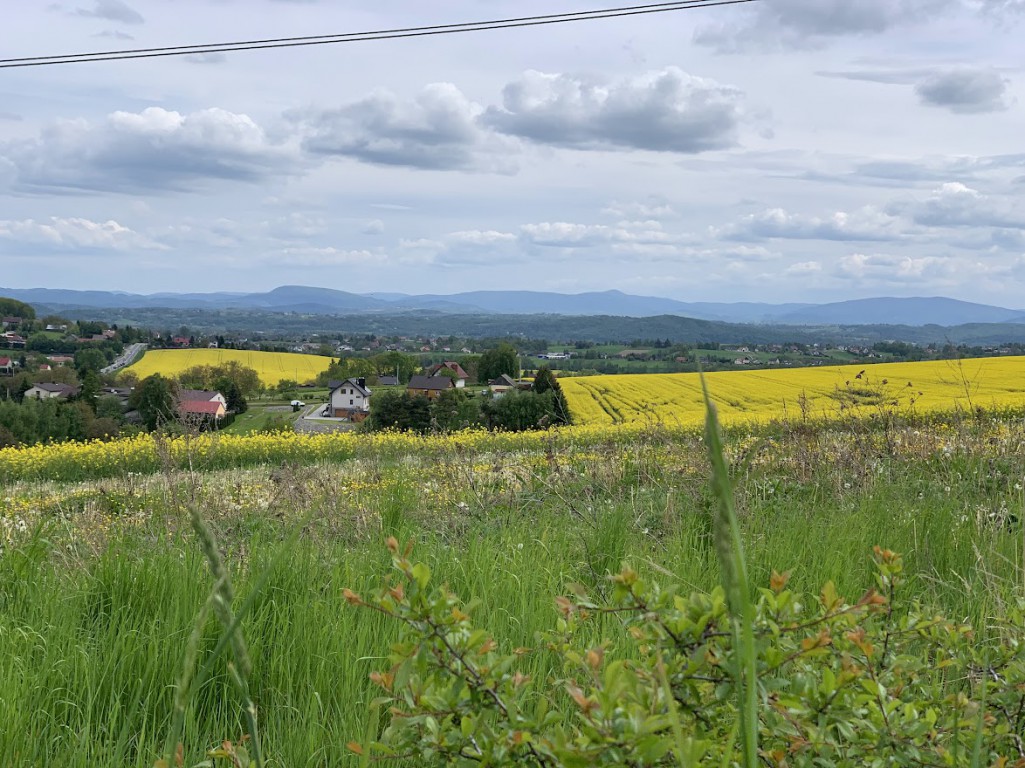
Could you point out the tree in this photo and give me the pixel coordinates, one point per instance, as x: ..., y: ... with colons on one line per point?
x: 395, y: 364
x: 109, y: 407
x: 15, y: 308
x: 103, y: 429
x: 518, y: 411
x: 397, y: 410
x: 545, y: 381
x: 154, y: 398
x: 455, y: 409
x: 236, y: 401
x: 246, y: 379
x: 90, y: 388
x: 495, y: 362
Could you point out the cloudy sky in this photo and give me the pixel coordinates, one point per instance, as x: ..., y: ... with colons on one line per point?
x: 782, y: 150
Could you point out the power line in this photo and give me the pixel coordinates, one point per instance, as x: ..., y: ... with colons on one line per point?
x: 356, y: 37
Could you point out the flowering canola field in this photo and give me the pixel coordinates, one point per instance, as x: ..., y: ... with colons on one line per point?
x: 272, y: 366
x: 817, y: 392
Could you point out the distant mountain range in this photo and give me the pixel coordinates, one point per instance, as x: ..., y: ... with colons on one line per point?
x: 326, y: 301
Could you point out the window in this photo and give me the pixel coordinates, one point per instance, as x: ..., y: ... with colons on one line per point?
x: 350, y: 402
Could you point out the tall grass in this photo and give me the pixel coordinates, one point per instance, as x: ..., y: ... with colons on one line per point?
x: 92, y: 638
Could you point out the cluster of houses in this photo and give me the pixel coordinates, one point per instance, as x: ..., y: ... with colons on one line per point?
x: 194, y: 405
x: 350, y: 399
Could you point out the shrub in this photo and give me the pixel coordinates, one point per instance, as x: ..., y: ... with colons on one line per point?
x: 712, y: 678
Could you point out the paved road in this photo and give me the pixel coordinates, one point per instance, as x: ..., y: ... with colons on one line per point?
x: 307, y: 421
x: 129, y: 356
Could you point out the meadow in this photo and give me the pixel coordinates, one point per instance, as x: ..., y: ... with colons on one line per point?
x: 101, y: 576
x: 271, y: 366
x: 816, y: 393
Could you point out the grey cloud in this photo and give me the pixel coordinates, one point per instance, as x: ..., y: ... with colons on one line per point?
x: 965, y: 91
x: 788, y: 24
x: 112, y: 10
x: 151, y: 151
x: 11, y: 116
x: 437, y: 130
x: 666, y: 111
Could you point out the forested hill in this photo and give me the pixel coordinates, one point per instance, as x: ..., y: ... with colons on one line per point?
x: 597, y: 328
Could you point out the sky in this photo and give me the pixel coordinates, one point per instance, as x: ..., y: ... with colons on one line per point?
x: 776, y: 151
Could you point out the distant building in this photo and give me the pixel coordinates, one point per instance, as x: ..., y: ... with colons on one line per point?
x: 349, y: 399
x: 460, y: 376
x: 51, y: 391
x: 430, y: 386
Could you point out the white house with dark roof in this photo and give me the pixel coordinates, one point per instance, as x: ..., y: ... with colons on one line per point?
x: 350, y: 399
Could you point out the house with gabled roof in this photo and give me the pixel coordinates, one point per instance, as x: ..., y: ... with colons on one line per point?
x: 6, y: 366
x: 202, y: 412
x: 49, y: 390
x: 201, y: 395
x: 349, y: 399
x: 201, y: 405
x: 429, y: 386
x: 456, y: 372
x: 504, y: 383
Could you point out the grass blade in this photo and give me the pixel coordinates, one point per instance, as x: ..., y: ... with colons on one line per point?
x: 730, y: 551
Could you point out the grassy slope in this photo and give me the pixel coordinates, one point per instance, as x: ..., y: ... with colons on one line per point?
x: 95, y: 610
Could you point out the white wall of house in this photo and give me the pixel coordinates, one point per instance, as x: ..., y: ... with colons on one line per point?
x: 349, y: 398
x: 36, y: 393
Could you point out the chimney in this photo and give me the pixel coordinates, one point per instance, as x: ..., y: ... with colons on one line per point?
x: 362, y: 382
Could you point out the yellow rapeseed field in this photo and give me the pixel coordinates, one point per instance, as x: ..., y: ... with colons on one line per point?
x: 272, y: 366
x: 795, y: 393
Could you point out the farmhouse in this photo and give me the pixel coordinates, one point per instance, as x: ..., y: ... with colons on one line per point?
x: 455, y: 370
x: 502, y: 384
x: 430, y: 386
x: 201, y: 396
x: 202, y: 410
x: 350, y: 399
x: 201, y: 405
x: 6, y: 366
x: 388, y: 381
x: 50, y: 390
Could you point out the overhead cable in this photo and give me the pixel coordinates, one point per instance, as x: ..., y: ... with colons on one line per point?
x: 357, y: 37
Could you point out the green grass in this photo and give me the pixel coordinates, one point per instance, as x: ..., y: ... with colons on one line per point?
x: 257, y: 418
x: 96, y: 609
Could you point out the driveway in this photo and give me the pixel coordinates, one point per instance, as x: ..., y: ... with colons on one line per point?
x: 308, y: 421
